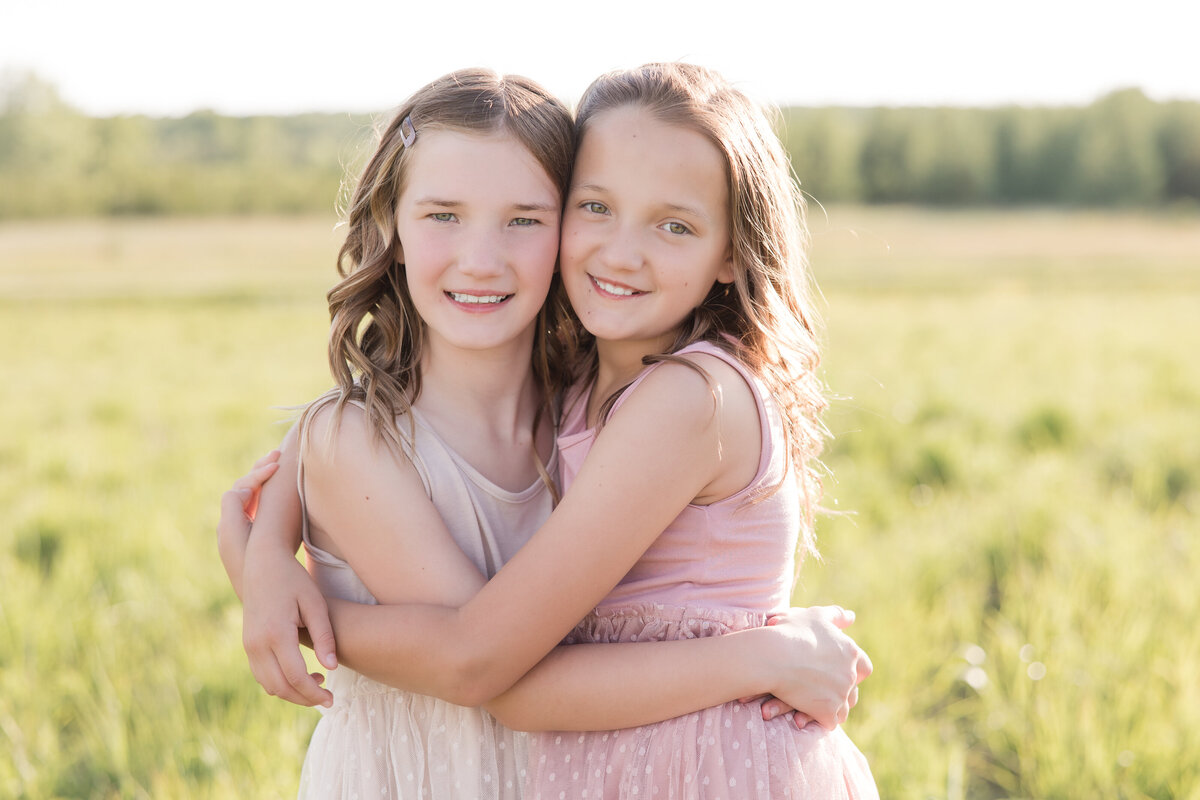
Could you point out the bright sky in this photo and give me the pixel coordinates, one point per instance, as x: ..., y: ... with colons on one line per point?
x: 245, y: 56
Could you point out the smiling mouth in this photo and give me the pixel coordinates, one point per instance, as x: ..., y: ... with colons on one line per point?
x: 613, y: 289
x: 478, y: 299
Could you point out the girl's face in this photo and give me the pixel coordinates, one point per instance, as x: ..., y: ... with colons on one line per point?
x: 478, y: 222
x: 646, y: 227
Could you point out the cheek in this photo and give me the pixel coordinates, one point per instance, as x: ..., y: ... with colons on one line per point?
x: 572, y: 249
x: 424, y: 255
x: 540, y: 254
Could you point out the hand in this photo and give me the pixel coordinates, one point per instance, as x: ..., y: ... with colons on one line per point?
x: 820, y: 665
x: 280, y: 604
x: 238, y: 507
x: 773, y: 707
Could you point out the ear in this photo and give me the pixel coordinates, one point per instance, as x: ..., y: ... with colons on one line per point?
x: 725, y: 273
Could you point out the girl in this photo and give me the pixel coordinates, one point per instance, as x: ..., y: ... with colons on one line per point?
x: 450, y: 252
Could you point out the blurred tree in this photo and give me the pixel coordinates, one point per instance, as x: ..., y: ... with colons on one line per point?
x: 1124, y: 149
x: 824, y: 144
x: 1119, y: 161
x: 884, y: 162
x: 1179, y: 144
x: 953, y: 157
x: 44, y: 145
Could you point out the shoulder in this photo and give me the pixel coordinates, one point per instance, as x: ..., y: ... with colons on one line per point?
x: 693, y: 391
x: 339, y: 443
x: 701, y: 382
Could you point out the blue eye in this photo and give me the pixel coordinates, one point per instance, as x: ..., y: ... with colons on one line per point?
x: 594, y: 207
x: 524, y: 222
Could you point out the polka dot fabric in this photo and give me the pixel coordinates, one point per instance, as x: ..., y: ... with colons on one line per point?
x: 727, y: 751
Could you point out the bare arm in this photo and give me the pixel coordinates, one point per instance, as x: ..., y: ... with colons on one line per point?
x: 282, y: 606
x: 580, y: 687
x: 617, y: 507
x: 606, y: 686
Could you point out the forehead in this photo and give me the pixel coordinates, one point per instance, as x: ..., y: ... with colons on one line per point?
x: 628, y: 145
x: 444, y: 160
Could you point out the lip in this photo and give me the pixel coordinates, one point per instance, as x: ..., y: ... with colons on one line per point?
x: 487, y: 302
x: 599, y: 283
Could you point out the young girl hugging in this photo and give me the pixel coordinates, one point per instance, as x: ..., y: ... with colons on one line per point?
x: 426, y: 468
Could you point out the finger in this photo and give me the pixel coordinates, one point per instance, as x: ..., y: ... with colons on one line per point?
x: 775, y: 708
x: 266, y: 671
x: 864, y: 666
x: 751, y: 699
x: 314, y: 615
x: 255, y: 478
x: 232, y: 511
x: 841, y: 617
x: 267, y: 459
x: 826, y: 721
x: 296, y: 674
x: 251, y: 484
x: 800, y: 719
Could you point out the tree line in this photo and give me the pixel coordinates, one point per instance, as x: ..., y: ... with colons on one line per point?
x: 1122, y: 150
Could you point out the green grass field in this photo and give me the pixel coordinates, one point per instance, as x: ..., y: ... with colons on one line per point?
x: 1014, y: 488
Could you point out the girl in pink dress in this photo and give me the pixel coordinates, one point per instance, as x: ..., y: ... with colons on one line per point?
x: 655, y: 263
x: 697, y: 407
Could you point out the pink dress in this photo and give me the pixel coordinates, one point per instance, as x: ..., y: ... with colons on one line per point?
x: 717, y: 568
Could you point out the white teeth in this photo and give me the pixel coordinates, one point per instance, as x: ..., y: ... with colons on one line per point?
x: 613, y: 289
x: 480, y: 299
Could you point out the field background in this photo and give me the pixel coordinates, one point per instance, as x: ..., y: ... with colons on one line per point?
x: 1015, y: 481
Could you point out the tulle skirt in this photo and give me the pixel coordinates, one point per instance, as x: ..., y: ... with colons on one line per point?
x: 380, y: 742
x: 723, y: 751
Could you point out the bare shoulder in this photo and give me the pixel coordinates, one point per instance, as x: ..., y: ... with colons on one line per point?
x: 712, y: 413
x: 705, y: 388
x: 340, y: 446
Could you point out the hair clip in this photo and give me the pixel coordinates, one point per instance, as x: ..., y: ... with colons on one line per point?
x: 408, y: 134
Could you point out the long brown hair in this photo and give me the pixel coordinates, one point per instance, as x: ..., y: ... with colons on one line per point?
x: 766, y: 318
x: 376, y: 337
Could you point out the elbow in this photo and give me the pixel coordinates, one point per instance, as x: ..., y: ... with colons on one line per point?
x: 472, y: 681
x: 516, y: 715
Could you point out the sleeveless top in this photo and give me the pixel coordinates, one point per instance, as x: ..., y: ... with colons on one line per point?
x: 718, y: 568
x: 378, y: 741
x: 737, y: 553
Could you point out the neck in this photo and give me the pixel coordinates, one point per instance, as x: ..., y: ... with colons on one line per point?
x: 490, y: 389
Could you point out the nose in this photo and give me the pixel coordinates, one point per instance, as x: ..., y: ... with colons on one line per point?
x: 482, y: 256
x: 622, y: 250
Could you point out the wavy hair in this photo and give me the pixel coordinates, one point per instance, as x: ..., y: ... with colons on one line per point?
x: 376, y: 337
x: 767, y: 317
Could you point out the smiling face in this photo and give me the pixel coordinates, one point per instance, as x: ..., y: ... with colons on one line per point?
x: 646, y: 227
x: 478, y: 222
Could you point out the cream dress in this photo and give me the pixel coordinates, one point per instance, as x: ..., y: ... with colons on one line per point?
x: 380, y: 742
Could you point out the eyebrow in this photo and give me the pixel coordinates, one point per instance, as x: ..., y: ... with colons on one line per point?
x: 695, y: 212
x: 437, y: 202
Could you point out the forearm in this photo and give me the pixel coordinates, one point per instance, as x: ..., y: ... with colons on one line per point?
x: 608, y: 686
x: 413, y: 647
